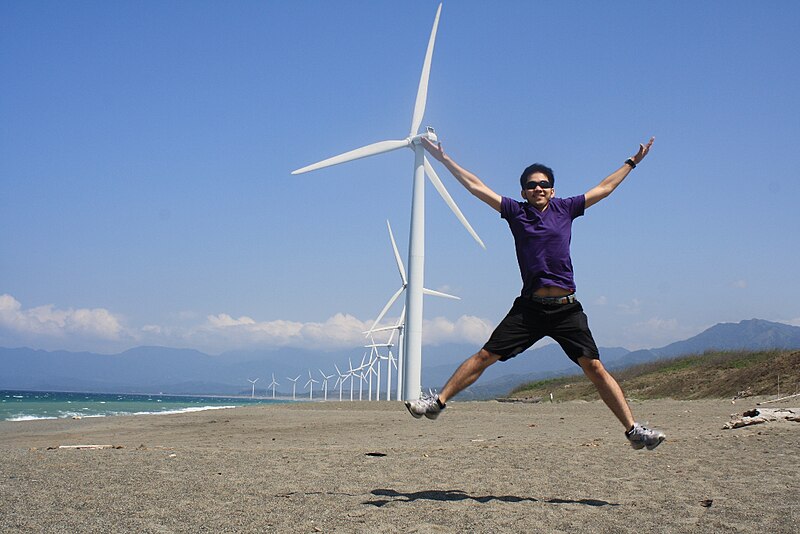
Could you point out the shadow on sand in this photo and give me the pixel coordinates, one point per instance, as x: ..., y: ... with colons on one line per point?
x: 458, y: 495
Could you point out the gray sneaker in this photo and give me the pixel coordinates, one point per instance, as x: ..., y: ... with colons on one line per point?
x: 427, y: 405
x: 641, y: 437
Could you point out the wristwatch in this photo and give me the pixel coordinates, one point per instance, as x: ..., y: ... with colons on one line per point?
x: 630, y: 162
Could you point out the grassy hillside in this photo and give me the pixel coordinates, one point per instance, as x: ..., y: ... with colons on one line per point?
x: 708, y: 375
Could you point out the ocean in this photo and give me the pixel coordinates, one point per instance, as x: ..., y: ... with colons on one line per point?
x: 32, y: 405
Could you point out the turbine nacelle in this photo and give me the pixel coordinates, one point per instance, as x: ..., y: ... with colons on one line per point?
x: 430, y: 135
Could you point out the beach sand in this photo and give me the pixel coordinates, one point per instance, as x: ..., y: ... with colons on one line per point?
x: 481, y: 467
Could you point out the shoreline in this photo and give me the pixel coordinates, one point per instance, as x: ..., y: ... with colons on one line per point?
x: 483, y: 466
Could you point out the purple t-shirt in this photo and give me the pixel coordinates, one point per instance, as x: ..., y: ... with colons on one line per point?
x: 542, y: 240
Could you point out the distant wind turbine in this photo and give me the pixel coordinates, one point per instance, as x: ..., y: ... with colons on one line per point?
x: 416, y: 245
x: 310, y: 385
x: 294, y: 385
x: 325, y: 379
x: 273, y: 384
x: 339, y: 381
x: 253, y: 394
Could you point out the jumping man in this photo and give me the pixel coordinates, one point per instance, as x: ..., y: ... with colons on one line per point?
x: 542, y: 229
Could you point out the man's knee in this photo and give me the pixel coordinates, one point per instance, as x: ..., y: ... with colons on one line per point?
x: 484, y: 358
x: 592, y: 366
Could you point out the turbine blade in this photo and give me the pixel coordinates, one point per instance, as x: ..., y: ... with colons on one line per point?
x: 437, y: 183
x: 363, y: 152
x: 386, y: 308
x: 422, y: 90
x: 439, y: 294
x: 397, y: 257
x: 381, y: 329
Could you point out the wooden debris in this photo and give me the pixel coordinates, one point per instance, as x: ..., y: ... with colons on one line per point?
x: 531, y: 400
x: 762, y: 415
x: 778, y: 400
x: 85, y: 446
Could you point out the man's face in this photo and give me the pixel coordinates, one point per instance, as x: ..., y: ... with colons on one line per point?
x: 534, y: 192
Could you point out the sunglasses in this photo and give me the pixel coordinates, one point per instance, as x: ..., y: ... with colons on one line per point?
x: 544, y: 184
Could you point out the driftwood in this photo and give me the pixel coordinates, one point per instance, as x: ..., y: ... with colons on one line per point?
x: 532, y: 400
x: 762, y: 415
x: 778, y: 400
x: 86, y: 447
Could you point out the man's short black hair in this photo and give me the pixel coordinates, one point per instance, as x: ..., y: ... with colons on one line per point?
x: 532, y: 169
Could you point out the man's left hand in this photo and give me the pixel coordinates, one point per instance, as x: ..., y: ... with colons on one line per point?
x: 643, y: 150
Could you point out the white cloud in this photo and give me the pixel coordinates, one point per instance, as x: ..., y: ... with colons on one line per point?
x: 49, y: 321
x: 793, y: 322
x: 602, y: 300
x: 341, y: 330
x: 740, y: 284
x: 466, y: 329
x: 89, y: 329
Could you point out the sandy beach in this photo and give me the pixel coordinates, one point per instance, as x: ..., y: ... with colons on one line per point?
x: 370, y: 467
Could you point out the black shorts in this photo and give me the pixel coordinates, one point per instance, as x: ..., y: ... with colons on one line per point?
x: 530, y: 321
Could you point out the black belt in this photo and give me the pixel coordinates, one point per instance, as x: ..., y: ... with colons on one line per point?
x: 568, y: 299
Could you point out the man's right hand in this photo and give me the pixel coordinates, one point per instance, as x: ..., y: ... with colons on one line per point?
x: 434, y: 150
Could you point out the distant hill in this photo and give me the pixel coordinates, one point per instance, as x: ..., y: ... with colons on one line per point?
x: 169, y: 370
x: 708, y: 375
x: 751, y: 335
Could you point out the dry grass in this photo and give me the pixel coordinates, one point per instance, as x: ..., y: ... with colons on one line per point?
x: 708, y: 375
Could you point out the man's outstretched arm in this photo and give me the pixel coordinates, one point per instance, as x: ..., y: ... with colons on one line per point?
x: 472, y: 183
x: 610, y: 182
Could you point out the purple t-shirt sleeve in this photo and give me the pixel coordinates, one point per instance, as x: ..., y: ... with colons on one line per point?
x: 576, y: 206
x: 509, y: 207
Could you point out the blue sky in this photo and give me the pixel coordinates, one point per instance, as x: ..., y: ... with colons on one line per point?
x: 145, y: 152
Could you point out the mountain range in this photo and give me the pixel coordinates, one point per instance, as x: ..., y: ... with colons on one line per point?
x: 185, y: 371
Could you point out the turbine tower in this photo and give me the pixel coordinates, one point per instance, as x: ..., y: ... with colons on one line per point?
x: 416, y: 246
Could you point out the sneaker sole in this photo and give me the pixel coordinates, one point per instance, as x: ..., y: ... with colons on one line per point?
x: 415, y: 415
x: 432, y: 416
x: 639, y: 446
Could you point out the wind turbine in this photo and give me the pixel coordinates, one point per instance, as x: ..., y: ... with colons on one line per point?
x: 294, y: 385
x: 310, y: 385
x: 361, y: 377
x: 273, y: 384
x: 403, y: 284
x: 399, y: 360
x: 389, y: 361
x: 253, y: 394
x: 416, y: 246
x: 339, y: 381
x: 325, y: 379
x: 400, y: 323
x: 351, y: 374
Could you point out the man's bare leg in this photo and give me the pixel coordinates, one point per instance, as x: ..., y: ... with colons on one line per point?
x: 467, y: 373
x: 609, y: 390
